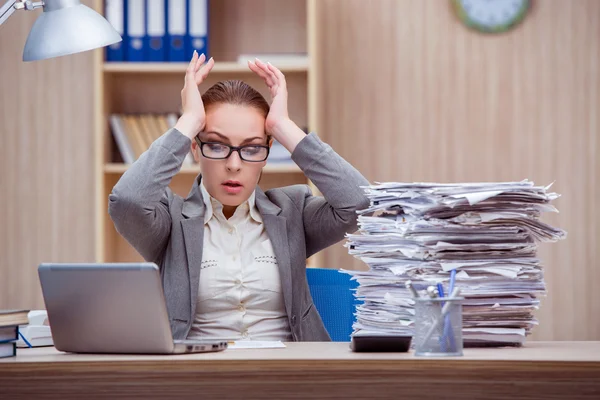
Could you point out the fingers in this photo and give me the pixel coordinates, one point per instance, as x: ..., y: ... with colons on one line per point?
x: 272, y: 76
x: 197, y: 70
x: 202, y: 72
x: 253, y: 67
x: 262, y: 70
x: 189, y: 72
x: 271, y: 79
x: 280, y: 77
x: 258, y: 70
x: 199, y: 61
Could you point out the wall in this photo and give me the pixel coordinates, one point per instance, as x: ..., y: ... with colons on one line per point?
x: 46, y: 163
x: 407, y: 93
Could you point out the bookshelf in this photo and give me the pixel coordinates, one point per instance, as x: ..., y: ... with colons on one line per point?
x: 235, y: 27
x: 179, y: 68
x: 119, y: 168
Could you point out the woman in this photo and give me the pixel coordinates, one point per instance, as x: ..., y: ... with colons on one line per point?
x: 232, y: 257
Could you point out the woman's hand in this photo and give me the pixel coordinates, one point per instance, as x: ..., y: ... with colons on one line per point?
x: 193, y: 117
x: 278, y: 123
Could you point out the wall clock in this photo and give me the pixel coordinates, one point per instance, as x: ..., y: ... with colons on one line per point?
x: 491, y: 16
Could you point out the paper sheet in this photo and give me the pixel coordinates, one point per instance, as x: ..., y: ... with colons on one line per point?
x: 255, y: 344
x: 488, y: 232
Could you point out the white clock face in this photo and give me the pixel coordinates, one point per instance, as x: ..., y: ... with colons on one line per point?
x: 493, y: 13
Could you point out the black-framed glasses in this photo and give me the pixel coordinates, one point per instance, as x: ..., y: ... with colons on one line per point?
x: 221, y: 151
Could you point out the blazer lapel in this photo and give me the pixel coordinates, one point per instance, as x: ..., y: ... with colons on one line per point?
x: 276, y: 227
x: 193, y: 236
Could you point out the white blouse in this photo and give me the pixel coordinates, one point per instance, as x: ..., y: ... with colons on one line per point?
x: 240, y: 295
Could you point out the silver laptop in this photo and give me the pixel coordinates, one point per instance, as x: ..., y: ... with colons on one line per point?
x: 111, y: 308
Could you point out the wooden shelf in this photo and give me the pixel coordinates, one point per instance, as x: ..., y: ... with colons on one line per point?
x: 268, y: 27
x: 118, y: 168
x: 179, y: 68
x: 282, y: 169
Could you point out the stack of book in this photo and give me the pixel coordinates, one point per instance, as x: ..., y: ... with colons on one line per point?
x: 279, y: 155
x: 481, y: 236
x: 9, y: 330
x: 134, y: 133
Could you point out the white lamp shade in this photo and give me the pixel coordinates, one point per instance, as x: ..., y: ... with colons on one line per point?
x: 67, y: 27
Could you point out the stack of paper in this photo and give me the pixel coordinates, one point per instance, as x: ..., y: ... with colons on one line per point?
x: 487, y: 232
x: 279, y: 154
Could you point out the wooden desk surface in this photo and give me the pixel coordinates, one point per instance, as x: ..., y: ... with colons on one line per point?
x: 549, y: 370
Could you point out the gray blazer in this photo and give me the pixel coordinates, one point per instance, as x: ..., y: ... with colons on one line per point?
x: 168, y: 230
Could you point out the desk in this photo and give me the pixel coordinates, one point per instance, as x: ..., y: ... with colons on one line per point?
x: 541, y: 370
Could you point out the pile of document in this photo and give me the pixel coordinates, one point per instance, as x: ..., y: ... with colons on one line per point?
x: 279, y: 154
x: 487, y: 232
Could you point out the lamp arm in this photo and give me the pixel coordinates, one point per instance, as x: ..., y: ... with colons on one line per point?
x: 7, y: 10
x: 12, y: 5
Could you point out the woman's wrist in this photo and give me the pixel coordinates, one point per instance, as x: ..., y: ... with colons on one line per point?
x: 188, y: 125
x: 288, y: 134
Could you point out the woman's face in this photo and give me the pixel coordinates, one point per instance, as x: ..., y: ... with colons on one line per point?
x: 232, y: 180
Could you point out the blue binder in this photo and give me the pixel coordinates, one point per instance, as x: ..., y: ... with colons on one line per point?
x: 136, y: 30
x: 115, y: 15
x: 197, y: 37
x: 156, y: 32
x: 177, y: 29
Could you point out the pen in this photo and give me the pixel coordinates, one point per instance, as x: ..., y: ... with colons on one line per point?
x: 444, y: 338
x: 410, y: 287
x: 440, y: 289
x: 452, y: 280
x: 438, y: 321
x: 448, y: 333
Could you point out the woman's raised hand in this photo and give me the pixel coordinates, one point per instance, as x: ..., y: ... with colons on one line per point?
x: 278, y: 123
x: 193, y: 117
x: 275, y: 81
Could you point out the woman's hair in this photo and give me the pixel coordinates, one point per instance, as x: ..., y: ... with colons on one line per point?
x: 235, y: 92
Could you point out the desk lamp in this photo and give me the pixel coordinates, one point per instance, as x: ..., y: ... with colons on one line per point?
x: 65, y: 27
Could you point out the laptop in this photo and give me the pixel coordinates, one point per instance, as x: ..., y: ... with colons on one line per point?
x: 111, y: 308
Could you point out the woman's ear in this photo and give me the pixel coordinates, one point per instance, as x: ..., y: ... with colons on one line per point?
x: 196, y: 151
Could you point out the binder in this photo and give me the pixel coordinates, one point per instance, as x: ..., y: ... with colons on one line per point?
x: 177, y: 29
x: 156, y: 30
x: 144, y: 124
x: 115, y: 15
x: 136, y: 30
x: 133, y: 135
x: 118, y: 128
x: 197, y: 38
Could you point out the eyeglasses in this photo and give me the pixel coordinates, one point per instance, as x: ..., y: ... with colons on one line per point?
x: 221, y: 151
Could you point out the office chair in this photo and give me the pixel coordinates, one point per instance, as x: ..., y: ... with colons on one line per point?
x: 333, y: 296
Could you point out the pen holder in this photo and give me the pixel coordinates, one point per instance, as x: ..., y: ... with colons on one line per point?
x: 438, y: 327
